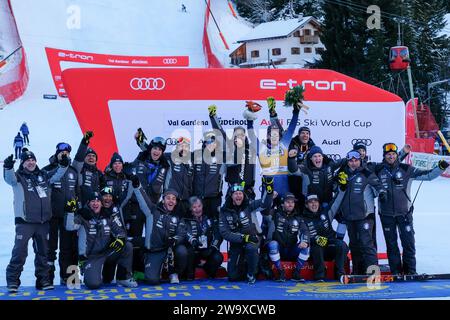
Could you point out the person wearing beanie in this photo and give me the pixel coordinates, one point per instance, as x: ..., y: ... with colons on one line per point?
x: 288, y: 238
x: 239, y: 225
x: 325, y: 241
x: 180, y: 174
x: 396, y: 209
x: 164, y: 236
x: 59, y: 237
x: 316, y: 174
x: 102, y: 241
x: 238, y: 156
x: 33, y: 211
x: 90, y: 177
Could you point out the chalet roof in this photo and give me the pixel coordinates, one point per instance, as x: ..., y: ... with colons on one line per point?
x: 276, y: 29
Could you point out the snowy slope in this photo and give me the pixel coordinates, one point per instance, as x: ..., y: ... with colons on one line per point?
x: 143, y: 27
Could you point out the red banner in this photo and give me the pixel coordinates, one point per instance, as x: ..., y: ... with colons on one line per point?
x: 55, y: 56
x: 91, y: 90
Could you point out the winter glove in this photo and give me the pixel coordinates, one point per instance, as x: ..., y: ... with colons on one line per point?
x: 117, y: 244
x: 140, y: 136
x: 271, y: 103
x: 321, y: 241
x: 87, y: 136
x: 252, y: 106
x: 8, y: 163
x: 65, y: 160
x: 442, y: 164
x: 250, y: 238
x: 212, y: 109
x: 71, y: 205
x: 135, y: 181
x: 267, y: 184
x: 342, y: 180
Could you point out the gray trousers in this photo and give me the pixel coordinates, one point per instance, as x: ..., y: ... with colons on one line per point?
x: 94, y: 265
x: 24, y: 232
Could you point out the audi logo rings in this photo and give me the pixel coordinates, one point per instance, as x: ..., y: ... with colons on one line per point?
x: 170, y: 61
x: 147, y: 84
x: 367, y: 142
x: 334, y: 157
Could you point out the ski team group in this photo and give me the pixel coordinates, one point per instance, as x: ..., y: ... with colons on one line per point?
x: 165, y: 212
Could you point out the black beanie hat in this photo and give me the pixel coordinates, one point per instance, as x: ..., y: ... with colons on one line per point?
x: 304, y: 129
x: 90, y: 150
x: 116, y: 158
x: 94, y: 196
x: 26, y: 155
x: 359, y: 145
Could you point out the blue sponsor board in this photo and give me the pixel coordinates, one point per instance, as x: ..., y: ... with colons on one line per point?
x: 224, y: 290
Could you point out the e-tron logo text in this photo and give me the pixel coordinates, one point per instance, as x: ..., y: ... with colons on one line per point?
x: 147, y: 84
x: 322, y: 85
x: 366, y: 142
x: 170, y: 61
x: 75, y: 56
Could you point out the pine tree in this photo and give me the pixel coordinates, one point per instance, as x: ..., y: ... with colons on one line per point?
x: 429, y: 52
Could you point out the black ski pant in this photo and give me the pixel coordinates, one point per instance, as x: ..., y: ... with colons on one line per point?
x: 404, y: 225
x: 67, y: 248
x: 334, y: 250
x: 93, y: 266
x: 134, y: 222
x: 24, y: 232
x: 212, y: 257
x: 361, y: 244
x: 154, y: 262
x: 243, y: 259
x: 26, y: 140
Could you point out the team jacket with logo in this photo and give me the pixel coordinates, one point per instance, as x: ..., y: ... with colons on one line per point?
x: 205, y: 227
x: 208, y: 172
x: 32, y: 193
x: 64, y: 189
x: 363, y: 187
x: 320, y: 223
x: 235, y: 222
x: 90, y: 179
x: 95, y: 231
x: 288, y: 229
x: 160, y: 225
x: 397, y: 180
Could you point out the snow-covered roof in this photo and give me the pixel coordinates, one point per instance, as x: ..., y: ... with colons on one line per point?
x: 276, y: 29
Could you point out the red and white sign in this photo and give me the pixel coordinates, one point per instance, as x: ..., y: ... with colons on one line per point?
x: 55, y: 56
x: 172, y: 102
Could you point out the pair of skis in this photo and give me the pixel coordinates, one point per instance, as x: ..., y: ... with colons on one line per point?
x: 346, y: 279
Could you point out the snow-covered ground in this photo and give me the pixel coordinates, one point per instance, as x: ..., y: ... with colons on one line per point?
x: 141, y: 27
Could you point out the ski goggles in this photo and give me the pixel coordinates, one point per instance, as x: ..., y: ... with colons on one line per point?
x: 353, y: 155
x: 106, y: 190
x: 238, y: 187
x: 62, y: 146
x: 390, y: 147
x: 158, y: 141
x: 181, y: 140
x: 210, y: 140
